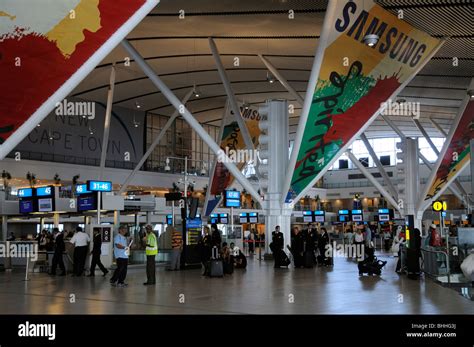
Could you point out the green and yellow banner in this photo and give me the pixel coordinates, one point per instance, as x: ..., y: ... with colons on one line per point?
x: 355, y: 80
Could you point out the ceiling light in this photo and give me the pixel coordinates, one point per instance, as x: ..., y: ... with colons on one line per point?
x: 270, y: 78
x: 137, y: 105
x: 246, y: 106
x: 196, y: 92
x: 38, y: 125
x: 371, y: 40
x: 167, y: 166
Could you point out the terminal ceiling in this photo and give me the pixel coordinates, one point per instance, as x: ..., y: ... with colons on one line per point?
x: 179, y: 52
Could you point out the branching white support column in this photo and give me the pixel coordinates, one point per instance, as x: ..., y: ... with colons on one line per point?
x: 168, y: 94
x: 282, y: 80
x: 379, y: 166
x: 108, y: 116
x: 394, y: 127
x: 438, y: 127
x: 154, y: 144
x: 372, y: 179
x: 426, y: 136
x: 230, y: 94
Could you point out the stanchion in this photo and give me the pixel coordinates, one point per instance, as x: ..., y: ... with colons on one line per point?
x: 27, y: 265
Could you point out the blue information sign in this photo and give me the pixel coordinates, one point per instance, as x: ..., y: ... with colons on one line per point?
x: 82, y: 189
x: 44, y: 191
x: 343, y: 212
x: 25, y: 193
x: 99, y: 186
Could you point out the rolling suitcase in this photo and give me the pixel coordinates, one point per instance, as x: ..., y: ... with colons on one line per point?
x: 282, y: 258
x: 216, y: 266
x: 308, y: 259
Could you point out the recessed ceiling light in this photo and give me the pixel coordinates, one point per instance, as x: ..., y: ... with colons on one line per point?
x: 371, y: 40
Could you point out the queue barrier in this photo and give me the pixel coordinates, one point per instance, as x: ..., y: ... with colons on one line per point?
x: 431, y: 261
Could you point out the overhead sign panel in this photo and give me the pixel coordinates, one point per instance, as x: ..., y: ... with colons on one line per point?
x: 355, y: 80
x: 47, y: 48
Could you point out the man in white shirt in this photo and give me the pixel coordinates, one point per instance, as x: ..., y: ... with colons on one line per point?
x: 80, y: 240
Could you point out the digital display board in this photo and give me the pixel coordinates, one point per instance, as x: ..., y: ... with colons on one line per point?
x: 357, y: 218
x: 308, y: 216
x: 45, y: 191
x: 384, y: 217
x: 319, y: 216
x: 344, y: 219
x: 26, y: 206
x: 45, y: 205
x: 384, y: 211
x: 253, y: 217
x: 82, y: 189
x: 169, y: 219
x: 343, y: 212
x: 25, y: 192
x: 99, y: 186
x: 243, y: 218
x: 214, y: 218
x: 232, y: 198
x: 223, y: 218
x: 86, y: 203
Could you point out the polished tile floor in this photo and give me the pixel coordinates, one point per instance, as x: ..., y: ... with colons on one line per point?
x: 258, y: 290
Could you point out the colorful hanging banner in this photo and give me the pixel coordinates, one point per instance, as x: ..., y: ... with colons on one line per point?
x: 456, y: 156
x: 47, y: 48
x: 232, y: 143
x: 355, y: 81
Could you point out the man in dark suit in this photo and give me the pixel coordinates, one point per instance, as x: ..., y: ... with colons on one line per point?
x: 277, y: 245
x: 96, y: 251
x: 59, y: 249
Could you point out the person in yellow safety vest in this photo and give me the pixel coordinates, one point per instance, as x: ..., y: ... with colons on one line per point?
x: 151, y: 252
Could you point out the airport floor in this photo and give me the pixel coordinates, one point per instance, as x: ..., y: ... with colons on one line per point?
x: 258, y: 290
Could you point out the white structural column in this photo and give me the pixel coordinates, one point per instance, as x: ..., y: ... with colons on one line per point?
x: 282, y: 80
x: 379, y: 166
x: 412, y: 180
x: 168, y: 94
x: 277, y: 140
x: 108, y: 116
x: 394, y: 127
x: 154, y: 144
x: 372, y: 179
x: 230, y: 95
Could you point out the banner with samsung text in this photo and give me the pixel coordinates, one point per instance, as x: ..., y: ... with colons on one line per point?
x: 355, y: 78
x: 47, y: 48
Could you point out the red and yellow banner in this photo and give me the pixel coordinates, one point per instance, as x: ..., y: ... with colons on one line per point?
x: 43, y: 44
x: 457, y: 155
x: 355, y: 79
x: 231, y: 143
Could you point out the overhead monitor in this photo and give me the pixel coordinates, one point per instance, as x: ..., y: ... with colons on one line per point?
x: 86, y: 203
x: 26, y: 206
x: 253, y: 217
x: 45, y: 205
x: 232, y: 198
x: 223, y: 218
x: 243, y: 218
x: 308, y: 216
x: 214, y: 218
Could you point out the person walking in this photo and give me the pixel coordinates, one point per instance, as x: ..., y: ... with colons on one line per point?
x: 59, y: 248
x: 121, y: 251
x: 177, y: 247
x: 96, y: 252
x: 151, y: 252
x: 80, y: 240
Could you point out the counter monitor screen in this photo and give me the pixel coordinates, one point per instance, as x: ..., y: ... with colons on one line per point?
x: 384, y: 217
x: 357, y: 218
x: 243, y: 218
x: 26, y: 206
x: 45, y: 205
x: 44, y: 191
x: 253, y: 217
